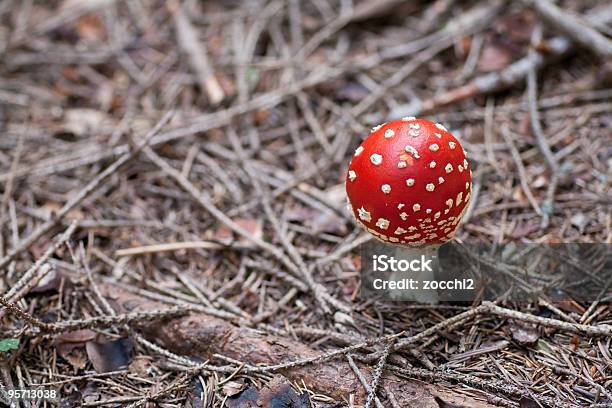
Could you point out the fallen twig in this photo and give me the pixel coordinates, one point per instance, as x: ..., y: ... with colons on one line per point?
x: 196, y: 51
x: 178, y: 246
x: 575, y: 27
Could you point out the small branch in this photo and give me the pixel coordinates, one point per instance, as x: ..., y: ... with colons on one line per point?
x: 516, y: 156
x: 37, y: 271
x: 362, y: 380
x: 536, y: 126
x: 599, y: 330
x: 16, y: 310
x: 97, y: 322
x: 178, y: 246
x: 196, y: 51
x: 378, y: 372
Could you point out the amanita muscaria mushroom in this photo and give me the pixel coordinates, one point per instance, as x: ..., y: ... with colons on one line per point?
x: 409, y: 183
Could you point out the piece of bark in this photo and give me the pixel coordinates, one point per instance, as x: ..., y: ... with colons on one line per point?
x: 202, y: 335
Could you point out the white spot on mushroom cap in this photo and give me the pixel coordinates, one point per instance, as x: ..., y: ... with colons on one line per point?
x: 448, y: 168
x: 352, y: 175
x: 460, y: 168
x: 403, y: 216
x: 432, y: 164
x: 375, y: 128
x: 410, y: 182
x: 400, y: 231
x: 428, y: 211
x: 439, y: 136
x: 358, y: 150
x: 400, y: 206
x: 414, y: 126
x: 389, y: 133
x: 382, y: 223
x: 416, y: 207
x: 376, y: 159
x: 402, y: 164
x: 412, y: 228
x: 434, y: 147
x: 412, y: 151
x: 430, y: 187
x: 452, y: 145
x: 414, y: 133
x: 385, y: 188
x: 364, y: 215
x: 449, y: 203
x: 439, y: 126
x: 467, y: 185
x: 459, y: 196
x: 408, y: 118
x: 440, y: 180
x: 437, y: 215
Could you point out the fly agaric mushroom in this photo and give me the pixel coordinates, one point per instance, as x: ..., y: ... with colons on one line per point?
x: 409, y: 183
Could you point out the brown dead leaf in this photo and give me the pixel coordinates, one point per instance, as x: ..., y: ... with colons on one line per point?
x: 51, y: 281
x: 493, y: 57
x: 248, y: 398
x: 109, y: 355
x: 352, y: 92
x: 77, y: 336
x: 231, y: 388
x: 524, y: 228
x: 517, y: 27
x: 527, y: 402
x: 523, y: 334
x: 91, y: 27
x: 141, y: 365
x: 71, y: 347
x: 260, y: 116
x: 277, y: 394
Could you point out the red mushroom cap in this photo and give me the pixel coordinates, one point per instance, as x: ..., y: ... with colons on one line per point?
x: 409, y: 183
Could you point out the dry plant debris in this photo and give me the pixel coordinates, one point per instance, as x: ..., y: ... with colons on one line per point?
x: 174, y: 230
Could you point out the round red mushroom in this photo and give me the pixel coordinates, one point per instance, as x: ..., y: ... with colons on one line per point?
x: 409, y: 183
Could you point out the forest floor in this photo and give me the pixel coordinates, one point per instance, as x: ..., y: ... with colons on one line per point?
x: 173, y: 217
